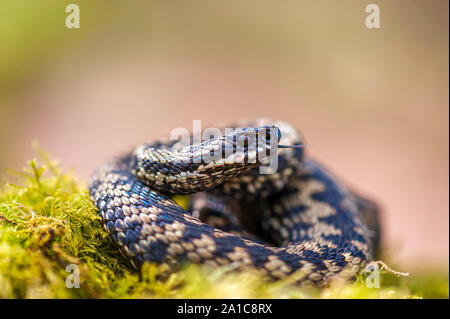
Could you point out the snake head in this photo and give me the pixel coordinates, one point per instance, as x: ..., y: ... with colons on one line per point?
x: 201, y: 166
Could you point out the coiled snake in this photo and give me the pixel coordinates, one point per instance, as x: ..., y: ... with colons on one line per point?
x: 300, y: 218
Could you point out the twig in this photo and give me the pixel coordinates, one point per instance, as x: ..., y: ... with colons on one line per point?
x: 384, y: 266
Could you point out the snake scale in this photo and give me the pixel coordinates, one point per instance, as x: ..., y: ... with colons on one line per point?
x: 300, y: 218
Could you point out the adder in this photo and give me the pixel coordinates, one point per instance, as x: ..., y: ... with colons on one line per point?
x: 299, y: 218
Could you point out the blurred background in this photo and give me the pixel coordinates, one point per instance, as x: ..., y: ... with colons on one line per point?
x: 372, y: 104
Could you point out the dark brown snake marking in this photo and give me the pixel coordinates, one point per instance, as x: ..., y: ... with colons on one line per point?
x: 299, y: 219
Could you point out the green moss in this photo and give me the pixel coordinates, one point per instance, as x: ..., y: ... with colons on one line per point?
x: 48, y: 222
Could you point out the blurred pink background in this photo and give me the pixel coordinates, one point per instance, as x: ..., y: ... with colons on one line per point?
x: 372, y: 104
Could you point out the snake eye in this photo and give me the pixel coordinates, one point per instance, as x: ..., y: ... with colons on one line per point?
x: 277, y: 134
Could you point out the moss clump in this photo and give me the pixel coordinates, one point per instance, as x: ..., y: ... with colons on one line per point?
x: 48, y: 224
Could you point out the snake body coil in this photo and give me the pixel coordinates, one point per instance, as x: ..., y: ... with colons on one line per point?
x: 298, y: 218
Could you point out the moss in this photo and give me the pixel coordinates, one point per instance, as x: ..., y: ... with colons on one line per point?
x: 47, y: 223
